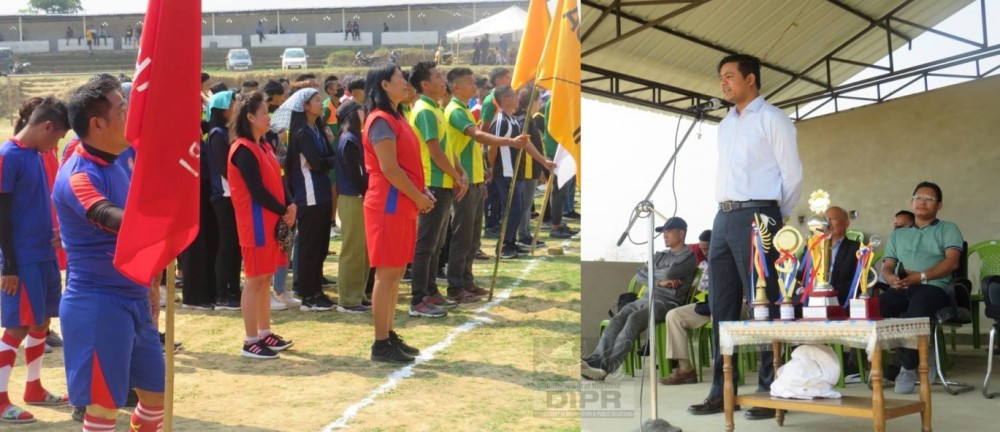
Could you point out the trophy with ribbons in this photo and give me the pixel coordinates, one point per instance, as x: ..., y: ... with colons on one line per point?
x: 789, y: 243
x: 820, y: 300
x: 863, y: 305
x: 759, y: 246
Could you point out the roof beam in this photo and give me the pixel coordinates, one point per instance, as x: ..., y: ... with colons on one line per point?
x: 604, y: 14
x: 613, y: 91
x: 870, y: 20
x: 835, y: 51
x: 917, y: 71
x: 644, y: 26
x: 939, y: 32
x: 653, y: 2
x: 689, y: 38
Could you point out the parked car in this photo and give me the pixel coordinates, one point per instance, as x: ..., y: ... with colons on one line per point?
x: 294, y: 58
x: 238, y: 59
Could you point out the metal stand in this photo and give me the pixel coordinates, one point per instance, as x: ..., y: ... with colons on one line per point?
x: 645, y: 209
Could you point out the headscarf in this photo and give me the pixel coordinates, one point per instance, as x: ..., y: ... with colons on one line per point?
x: 221, y: 100
x: 281, y: 119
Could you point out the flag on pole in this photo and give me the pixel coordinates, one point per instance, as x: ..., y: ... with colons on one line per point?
x: 164, y: 114
x: 559, y: 71
x: 536, y: 29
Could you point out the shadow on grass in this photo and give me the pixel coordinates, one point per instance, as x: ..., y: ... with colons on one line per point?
x: 124, y: 417
x: 532, y: 380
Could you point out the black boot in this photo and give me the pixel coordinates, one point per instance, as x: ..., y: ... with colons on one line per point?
x: 406, y: 349
x: 387, y: 351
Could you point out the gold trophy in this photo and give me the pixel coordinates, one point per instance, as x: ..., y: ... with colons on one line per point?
x: 761, y: 244
x: 866, y: 307
x: 789, y: 242
x: 822, y: 301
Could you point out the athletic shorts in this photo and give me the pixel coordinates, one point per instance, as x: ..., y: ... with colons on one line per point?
x: 265, y: 260
x: 392, y: 238
x: 109, y: 345
x: 37, y: 297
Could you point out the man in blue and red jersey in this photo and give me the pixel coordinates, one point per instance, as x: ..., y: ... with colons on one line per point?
x: 31, y: 285
x: 111, y: 343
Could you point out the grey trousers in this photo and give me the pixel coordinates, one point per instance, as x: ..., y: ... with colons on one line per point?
x: 430, y: 239
x: 622, y: 331
x: 466, y: 230
x: 527, y: 195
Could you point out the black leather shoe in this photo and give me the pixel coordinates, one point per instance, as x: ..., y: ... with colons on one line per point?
x: 757, y: 413
x: 709, y: 406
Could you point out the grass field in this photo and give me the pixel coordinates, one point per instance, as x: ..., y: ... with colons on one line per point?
x: 491, y: 368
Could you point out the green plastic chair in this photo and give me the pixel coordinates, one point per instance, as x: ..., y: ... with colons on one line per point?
x: 631, y: 359
x: 855, y: 235
x: 989, y: 265
x: 661, y: 333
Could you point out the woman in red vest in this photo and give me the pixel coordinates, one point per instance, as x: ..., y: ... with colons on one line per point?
x: 395, y: 195
x: 259, y: 202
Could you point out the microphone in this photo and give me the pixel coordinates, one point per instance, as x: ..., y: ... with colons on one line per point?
x: 712, y: 104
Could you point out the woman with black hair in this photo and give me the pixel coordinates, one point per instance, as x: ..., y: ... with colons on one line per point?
x: 260, y: 203
x: 227, y: 258
x: 352, y: 181
x: 395, y: 195
x: 307, y: 166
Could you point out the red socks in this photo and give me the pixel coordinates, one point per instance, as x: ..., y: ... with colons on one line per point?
x: 97, y: 424
x: 147, y: 419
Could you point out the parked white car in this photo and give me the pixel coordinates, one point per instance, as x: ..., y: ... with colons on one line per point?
x: 294, y: 58
x: 238, y: 59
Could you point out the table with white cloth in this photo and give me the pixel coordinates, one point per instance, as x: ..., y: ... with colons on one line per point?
x: 872, y: 336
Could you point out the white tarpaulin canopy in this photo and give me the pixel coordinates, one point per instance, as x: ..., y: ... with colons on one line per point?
x: 510, y: 20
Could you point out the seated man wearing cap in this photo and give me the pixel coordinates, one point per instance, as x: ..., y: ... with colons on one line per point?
x: 673, y: 270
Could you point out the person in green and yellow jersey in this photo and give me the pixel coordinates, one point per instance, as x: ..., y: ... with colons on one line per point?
x: 445, y: 178
x: 464, y: 136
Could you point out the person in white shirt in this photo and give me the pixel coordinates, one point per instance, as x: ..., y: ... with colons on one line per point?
x: 759, y: 173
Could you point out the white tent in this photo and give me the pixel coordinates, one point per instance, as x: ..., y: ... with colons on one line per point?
x: 510, y: 20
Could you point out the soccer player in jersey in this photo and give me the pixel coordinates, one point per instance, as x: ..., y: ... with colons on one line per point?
x: 111, y: 343
x: 464, y: 137
x: 443, y: 177
x: 31, y: 285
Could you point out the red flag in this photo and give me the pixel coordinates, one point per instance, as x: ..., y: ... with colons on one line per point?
x: 161, y: 215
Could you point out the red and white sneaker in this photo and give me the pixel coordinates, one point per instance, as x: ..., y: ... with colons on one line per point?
x: 258, y: 350
x: 276, y: 343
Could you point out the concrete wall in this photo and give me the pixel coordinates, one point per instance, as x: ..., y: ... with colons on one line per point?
x: 288, y: 40
x: 870, y: 158
x: 27, y: 46
x: 601, y: 283
x: 337, y: 39
x: 74, y: 46
x: 439, y: 18
x: 228, y: 41
x: 429, y: 38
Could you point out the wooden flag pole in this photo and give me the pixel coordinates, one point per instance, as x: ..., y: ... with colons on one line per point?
x: 545, y: 205
x: 503, y: 224
x: 510, y: 197
x: 168, y: 347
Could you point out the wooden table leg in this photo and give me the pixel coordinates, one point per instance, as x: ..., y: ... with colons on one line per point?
x: 728, y: 397
x: 925, y: 385
x: 779, y: 415
x: 878, y: 398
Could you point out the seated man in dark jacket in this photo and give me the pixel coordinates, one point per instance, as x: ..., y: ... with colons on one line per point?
x: 673, y: 270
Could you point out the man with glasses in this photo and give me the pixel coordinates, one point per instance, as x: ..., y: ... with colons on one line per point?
x: 919, y: 261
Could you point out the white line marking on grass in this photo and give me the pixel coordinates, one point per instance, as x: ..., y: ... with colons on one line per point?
x: 397, y: 376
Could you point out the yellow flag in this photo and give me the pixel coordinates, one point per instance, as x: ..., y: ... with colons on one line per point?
x: 559, y: 71
x: 530, y: 52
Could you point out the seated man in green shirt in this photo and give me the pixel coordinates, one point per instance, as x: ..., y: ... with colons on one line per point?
x: 928, y: 253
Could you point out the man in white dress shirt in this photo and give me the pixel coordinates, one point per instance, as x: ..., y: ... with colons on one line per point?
x: 759, y: 172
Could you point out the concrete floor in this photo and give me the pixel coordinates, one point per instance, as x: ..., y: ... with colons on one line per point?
x: 614, y: 405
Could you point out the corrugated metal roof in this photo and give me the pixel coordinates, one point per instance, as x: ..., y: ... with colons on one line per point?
x: 788, y: 35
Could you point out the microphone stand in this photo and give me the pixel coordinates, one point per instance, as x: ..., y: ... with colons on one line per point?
x: 645, y: 209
